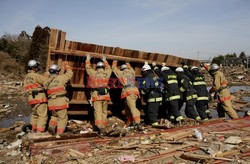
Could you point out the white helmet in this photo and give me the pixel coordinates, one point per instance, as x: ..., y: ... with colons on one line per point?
x: 54, y: 69
x: 33, y: 63
x: 146, y: 67
x: 100, y: 65
x: 124, y: 66
x: 179, y: 69
x: 194, y: 67
x: 214, y: 67
x: 164, y: 68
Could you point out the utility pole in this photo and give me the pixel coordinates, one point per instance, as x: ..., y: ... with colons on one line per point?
x: 198, y: 55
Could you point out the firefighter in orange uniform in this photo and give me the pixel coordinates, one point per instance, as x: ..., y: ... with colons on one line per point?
x: 33, y: 85
x: 130, y: 92
x: 221, y: 92
x: 58, y: 102
x: 98, y: 80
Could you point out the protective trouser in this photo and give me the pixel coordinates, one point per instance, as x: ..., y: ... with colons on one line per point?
x: 226, y: 106
x: 174, y: 110
x: 152, y: 111
x: 132, y: 113
x: 39, y: 117
x: 201, y: 107
x: 189, y: 109
x: 59, y: 119
x: 100, y: 113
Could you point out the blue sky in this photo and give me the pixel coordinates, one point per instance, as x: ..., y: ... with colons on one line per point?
x: 178, y: 27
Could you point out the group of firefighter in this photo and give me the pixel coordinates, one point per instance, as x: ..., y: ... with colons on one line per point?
x: 159, y: 86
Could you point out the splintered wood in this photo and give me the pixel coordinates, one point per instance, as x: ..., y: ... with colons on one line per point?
x: 155, y: 146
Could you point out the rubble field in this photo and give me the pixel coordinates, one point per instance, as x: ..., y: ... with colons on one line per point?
x: 219, y: 141
x: 214, y: 141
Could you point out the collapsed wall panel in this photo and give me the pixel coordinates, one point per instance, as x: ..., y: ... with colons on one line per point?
x: 61, y: 50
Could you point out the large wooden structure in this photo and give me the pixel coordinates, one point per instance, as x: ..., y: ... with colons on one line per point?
x: 61, y: 50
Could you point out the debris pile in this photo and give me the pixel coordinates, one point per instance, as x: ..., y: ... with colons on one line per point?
x: 234, y: 76
x: 12, y: 97
x: 212, y: 144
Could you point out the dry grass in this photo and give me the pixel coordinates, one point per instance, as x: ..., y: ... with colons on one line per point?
x: 8, y: 65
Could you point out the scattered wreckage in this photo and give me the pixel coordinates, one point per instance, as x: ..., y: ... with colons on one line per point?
x: 214, y: 141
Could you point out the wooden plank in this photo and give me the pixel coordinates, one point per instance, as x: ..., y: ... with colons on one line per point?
x: 52, y: 39
x: 202, y: 158
x: 111, y: 57
x: 62, y: 40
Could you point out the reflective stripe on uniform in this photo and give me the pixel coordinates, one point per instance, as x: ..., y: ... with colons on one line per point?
x: 198, y: 118
x: 191, y: 97
x: 127, y: 93
x: 172, y: 76
x: 100, y: 122
x: 207, y: 111
x: 60, y: 130
x: 57, y: 107
x: 155, y: 99
x: 225, y: 99
x: 199, y: 83
x: 171, y: 117
x: 34, y: 127
x: 174, y: 97
x: 202, y: 98
x: 101, y: 97
x: 179, y: 118
x: 52, y: 122
x: 136, y: 118
x: 40, y: 129
x: 224, y: 83
x: 142, y: 92
x: 37, y: 101
x: 182, y: 80
x: 172, y: 81
x: 32, y: 86
x: 55, y: 90
x: 182, y: 89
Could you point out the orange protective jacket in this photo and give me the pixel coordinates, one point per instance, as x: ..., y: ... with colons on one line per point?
x: 127, y: 79
x: 56, y: 91
x: 34, y: 82
x: 98, y: 78
x: 220, y: 85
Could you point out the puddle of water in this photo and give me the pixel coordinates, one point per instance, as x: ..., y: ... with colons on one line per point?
x: 8, y: 122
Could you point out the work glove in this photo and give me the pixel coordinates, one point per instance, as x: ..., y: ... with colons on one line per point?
x: 104, y: 58
x: 66, y: 65
x: 153, y: 64
x: 88, y: 56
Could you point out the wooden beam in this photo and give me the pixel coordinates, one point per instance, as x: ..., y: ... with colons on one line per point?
x: 202, y: 158
x: 110, y: 57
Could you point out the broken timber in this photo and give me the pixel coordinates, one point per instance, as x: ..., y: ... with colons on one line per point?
x: 61, y: 50
x: 88, y: 143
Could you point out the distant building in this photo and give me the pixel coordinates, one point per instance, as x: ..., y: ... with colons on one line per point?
x: 207, y: 62
x: 232, y: 61
x: 247, y: 62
